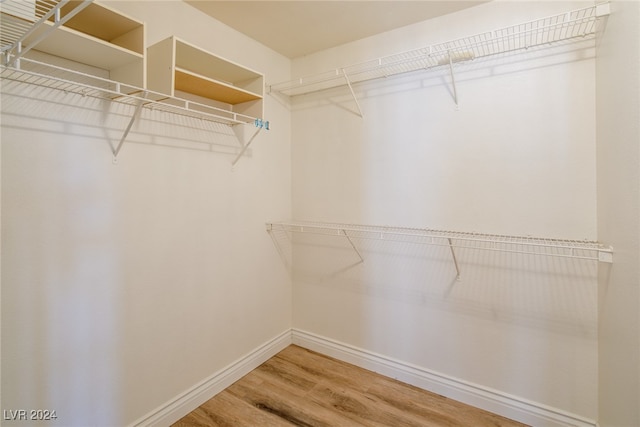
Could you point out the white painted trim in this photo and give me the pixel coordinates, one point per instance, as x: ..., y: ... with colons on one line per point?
x: 495, y: 401
x: 504, y: 404
x: 190, y: 399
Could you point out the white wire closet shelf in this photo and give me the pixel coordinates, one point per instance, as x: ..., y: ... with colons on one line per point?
x: 537, y: 246
x: 53, y: 77
x: 565, y: 27
x: 21, y: 18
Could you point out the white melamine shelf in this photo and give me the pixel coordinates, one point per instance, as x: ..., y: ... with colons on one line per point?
x: 536, y: 246
x: 565, y: 27
x: 81, y: 31
x: 181, y: 69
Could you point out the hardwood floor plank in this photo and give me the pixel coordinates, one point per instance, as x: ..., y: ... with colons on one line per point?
x: 360, y: 407
x: 431, y: 408
x: 325, y: 368
x: 227, y: 410
x: 281, y: 371
x: 299, y: 410
x: 304, y: 388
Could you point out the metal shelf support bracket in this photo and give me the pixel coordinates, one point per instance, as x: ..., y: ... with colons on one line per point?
x: 453, y: 79
x: 135, y: 115
x: 455, y: 260
x: 355, y: 98
x: 353, y: 245
x: 245, y: 146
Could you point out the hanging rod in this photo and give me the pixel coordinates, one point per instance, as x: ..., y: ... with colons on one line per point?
x: 577, y: 249
x: 576, y: 24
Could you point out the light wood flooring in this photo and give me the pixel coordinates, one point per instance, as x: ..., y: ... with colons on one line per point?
x: 298, y: 387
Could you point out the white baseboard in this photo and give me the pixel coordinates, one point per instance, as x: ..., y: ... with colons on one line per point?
x: 500, y: 403
x: 186, y: 402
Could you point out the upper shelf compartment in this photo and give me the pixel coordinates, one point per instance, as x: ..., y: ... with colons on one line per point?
x: 576, y: 24
x: 84, y: 32
x: 181, y: 69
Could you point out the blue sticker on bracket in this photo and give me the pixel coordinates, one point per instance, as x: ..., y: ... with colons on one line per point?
x: 262, y: 123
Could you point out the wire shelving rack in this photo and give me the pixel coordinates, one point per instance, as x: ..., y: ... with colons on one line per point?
x: 565, y: 27
x: 525, y: 245
x: 21, y: 18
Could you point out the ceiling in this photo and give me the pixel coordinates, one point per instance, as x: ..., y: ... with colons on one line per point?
x: 297, y: 28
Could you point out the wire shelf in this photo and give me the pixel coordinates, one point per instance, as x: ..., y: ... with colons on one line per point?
x: 566, y: 27
x: 50, y: 76
x: 577, y: 249
x: 20, y: 19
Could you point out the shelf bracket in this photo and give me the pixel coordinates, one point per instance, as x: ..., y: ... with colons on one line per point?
x: 455, y: 260
x: 135, y: 115
x: 245, y: 146
x: 355, y: 98
x: 352, y: 245
x: 453, y: 79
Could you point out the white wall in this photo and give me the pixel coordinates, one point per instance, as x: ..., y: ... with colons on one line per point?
x: 125, y: 285
x: 517, y: 157
x: 618, y: 112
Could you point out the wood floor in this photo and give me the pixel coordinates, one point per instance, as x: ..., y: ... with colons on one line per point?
x: 298, y: 387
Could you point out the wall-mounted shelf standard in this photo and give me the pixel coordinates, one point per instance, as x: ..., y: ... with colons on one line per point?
x: 577, y: 249
x: 576, y: 24
x: 181, y: 69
